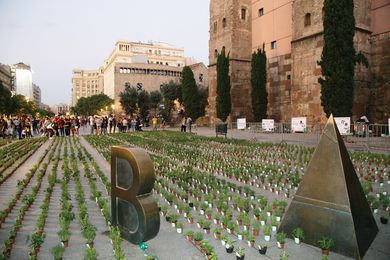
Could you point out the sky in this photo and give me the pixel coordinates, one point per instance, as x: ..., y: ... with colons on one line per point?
x: 55, y: 36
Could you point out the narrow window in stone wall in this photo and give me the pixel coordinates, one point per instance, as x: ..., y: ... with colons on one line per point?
x: 224, y: 22
x: 273, y: 45
x: 215, y: 53
x: 261, y: 11
x: 215, y: 27
x: 307, y: 19
x: 243, y: 13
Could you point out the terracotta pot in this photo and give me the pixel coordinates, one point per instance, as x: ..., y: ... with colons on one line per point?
x: 325, y: 251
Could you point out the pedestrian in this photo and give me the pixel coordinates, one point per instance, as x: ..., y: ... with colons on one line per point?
x: 154, y: 122
x: 189, y: 121
x: 60, y: 125
x: 91, y: 124
x: 183, y: 124
x: 67, y: 125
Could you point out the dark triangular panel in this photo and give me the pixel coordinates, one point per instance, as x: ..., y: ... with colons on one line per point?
x: 330, y: 200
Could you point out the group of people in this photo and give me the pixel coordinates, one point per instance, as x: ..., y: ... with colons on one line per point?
x: 18, y: 127
x: 102, y: 125
x: 61, y: 125
x: 186, y: 122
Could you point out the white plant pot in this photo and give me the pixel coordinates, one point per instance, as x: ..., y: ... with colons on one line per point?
x: 179, y: 230
x: 267, y: 238
x: 262, y: 222
x: 223, y: 242
x: 229, y: 231
x: 274, y: 228
x: 173, y: 224
x: 278, y: 219
x: 239, y: 237
x: 297, y: 240
x: 201, y: 212
x: 198, y: 225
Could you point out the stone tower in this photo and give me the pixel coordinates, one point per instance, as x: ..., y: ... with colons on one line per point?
x: 230, y: 27
x: 306, y: 48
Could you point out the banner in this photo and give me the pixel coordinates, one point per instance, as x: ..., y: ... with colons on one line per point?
x: 268, y: 125
x: 241, y: 123
x: 343, y: 124
x: 298, y: 124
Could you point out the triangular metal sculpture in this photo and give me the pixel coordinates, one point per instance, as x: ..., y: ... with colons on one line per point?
x: 330, y: 200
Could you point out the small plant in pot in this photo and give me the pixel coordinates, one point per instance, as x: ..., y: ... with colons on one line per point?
x: 284, y: 256
x: 240, y: 253
x: 267, y: 232
x: 179, y: 227
x: 384, y: 217
x: 251, y: 240
x: 298, y: 235
x: 190, y: 235
x: 206, y: 227
x: 281, y: 239
x: 57, y: 252
x: 263, y: 249
x: 217, y: 233
x: 198, y: 236
x: 325, y: 244
x: 229, y: 245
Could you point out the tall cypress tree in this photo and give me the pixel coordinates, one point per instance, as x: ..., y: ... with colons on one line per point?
x: 224, y: 105
x: 259, y: 84
x: 190, y: 94
x: 338, y: 58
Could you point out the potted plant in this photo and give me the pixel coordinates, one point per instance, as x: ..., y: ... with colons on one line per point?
x: 89, y: 234
x: 298, y: 235
x: 229, y: 245
x: 64, y: 235
x: 206, y: 227
x: 200, y: 223
x: 267, y: 233
x: 217, y: 233
x: 190, y: 235
x: 90, y: 253
x: 57, y: 252
x: 262, y: 249
x: 198, y: 236
x: 284, y: 256
x: 251, y: 240
x: 281, y: 239
x: 179, y: 227
x: 384, y: 217
x: 240, y: 253
x: 190, y: 218
x: 256, y: 228
x: 325, y: 244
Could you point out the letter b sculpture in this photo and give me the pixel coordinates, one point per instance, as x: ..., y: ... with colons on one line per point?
x: 134, y: 210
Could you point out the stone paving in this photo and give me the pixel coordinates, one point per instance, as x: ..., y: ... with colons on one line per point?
x: 167, y: 245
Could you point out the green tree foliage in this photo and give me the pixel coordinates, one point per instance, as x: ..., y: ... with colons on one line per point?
x: 91, y: 105
x: 128, y: 99
x: 170, y: 91
x: 338, y: 58
x: 143, y: 102
x: 259, y: 84
x: 5, y: 99
x: 155, y: 98
x: 203, y: 97
x: 190, y: 94
x: 223, y: 105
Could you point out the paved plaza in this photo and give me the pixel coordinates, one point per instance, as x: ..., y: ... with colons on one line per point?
x: 168, y: 244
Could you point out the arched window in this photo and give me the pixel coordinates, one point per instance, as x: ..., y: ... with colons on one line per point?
x: 215, y: 53
x: 307, y: 19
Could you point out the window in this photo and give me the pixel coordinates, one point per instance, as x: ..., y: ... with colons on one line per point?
x: 215, y: 53
x: 200, y: 77
x: 307, y: 21
x: 288, y: 76
x: 261, y: 11
x: 273, y: 45
x: 243, y: 13
x: 224, y: 22
x: 215, y: 27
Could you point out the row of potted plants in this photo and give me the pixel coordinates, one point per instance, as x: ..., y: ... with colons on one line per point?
x: 14, y: 155
x: 37, y: 238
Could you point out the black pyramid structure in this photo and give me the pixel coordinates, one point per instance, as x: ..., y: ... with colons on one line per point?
x: 330, y: 200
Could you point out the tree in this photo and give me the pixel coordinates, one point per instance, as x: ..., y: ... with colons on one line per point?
x: 143, y: 102
x: 259, y: 84
x: 91, y: 105
x: 155, y: 98
x: 170, y: 91
x: 190, y: 94
x: 203, y: 99
x: 128, y: 99
x: 223, y: 105
x: 338, y: 58
x: 5, y: 99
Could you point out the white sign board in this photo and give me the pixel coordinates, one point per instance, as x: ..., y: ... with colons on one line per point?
x: 343, y: 124
x: 298, y: 124
x: 267, y: 125
x: 241, y: 123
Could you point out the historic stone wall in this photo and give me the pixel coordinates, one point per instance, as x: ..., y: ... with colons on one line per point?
x: 380, y: 69
x: 230, y: 27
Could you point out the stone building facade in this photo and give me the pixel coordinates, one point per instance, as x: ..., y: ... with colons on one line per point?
x: 292, y: 33
x: 86, y: 83
x: 7, y: 77
x: 230, y: 28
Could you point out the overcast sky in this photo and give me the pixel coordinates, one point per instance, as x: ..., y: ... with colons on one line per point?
x: 55, y: 36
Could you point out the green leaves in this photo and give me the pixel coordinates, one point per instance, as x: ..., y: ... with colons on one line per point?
x: 91, y: 105
x: 259, y: 83
x: 190, y: 94
x: 224, y: 104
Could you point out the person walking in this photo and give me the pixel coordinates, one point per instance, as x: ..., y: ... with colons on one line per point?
x: 189, y: 121
x: 154, y: 122
x: 183, y: 124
